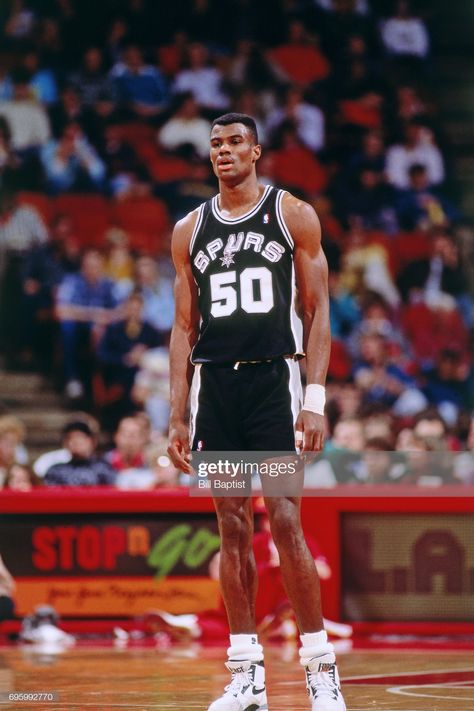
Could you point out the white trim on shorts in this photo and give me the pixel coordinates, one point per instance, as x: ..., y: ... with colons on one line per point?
x: 194, y: 402
x: 295, y: 388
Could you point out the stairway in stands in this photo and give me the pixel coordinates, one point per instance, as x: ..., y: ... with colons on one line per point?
x: 453, y: 38
x: 32, y: 399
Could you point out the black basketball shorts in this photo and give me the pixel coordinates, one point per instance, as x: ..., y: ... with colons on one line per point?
x: 249, y: 408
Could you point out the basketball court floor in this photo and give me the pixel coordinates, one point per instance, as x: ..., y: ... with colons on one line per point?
x: 93, y: 676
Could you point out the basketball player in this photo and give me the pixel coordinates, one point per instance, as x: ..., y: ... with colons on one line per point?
x: 240, y: 258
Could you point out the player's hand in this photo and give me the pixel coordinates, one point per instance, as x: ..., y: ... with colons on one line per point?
x: 309, y: 431
x: 178, y: 447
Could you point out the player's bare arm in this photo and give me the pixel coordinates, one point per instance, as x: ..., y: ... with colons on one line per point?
x: 312, y: 282
x: 183, y: 337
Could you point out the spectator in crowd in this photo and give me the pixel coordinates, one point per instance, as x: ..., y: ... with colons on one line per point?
x: 202, y: 79
x: 445, y: 384
x: 27, y: 119
x: 423, y: 206
x: 119, y: 262
x: 380, y: 426
x: 43, y: 83
x: 122, y: 347
x: 9, y: 161
x: 85, y: 306
x: 151, y: 387
x: 129, y: 451
x: 71, y: 163
x: 141, y: 88
x: 63, y: 455
x: 463, y: 465
x: 439, y: 279
x: 69, y: 109
x: 384, y: 381
x: 308, y: 119
x: 377, y: 318
x: 186, y: 127
x: 404, y: 35
x: 91, y: 80
x: 7, y: 590
x: 251, y: 69
x: 300, y: 58
x: 377, y: 462
x: 12, y: 434
x: 340, y: 463
x: 21, y: 22
x: 157, y: 293
x: 294, y: 165
x: 371, y: 154
x: 84, y: 468
x: 344, y: 310
x: 365, y: 264
x: 418, y: 148
x: 44, y: 268
x: 21, y: 477
x: 21, y: 231
x: 369, y: 197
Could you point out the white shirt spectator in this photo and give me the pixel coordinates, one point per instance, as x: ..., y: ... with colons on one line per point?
x: 46, y: 461
x: 205, y: 85
x: 309, y: 124
x: 401, y: 158
x: 22, y: 230
x: 177, y: 131
x: 405, y: 36
x: 28, y: 121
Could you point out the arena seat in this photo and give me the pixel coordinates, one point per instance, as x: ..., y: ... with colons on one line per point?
x: 90, y: 213
x: 40, y: 202
x: 144, y: 219
x: 135, y: 133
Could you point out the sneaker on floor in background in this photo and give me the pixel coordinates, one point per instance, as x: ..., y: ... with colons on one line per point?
x: 74, y: 389
x: 179, y: 627
x: 323, y: 685
x: 246, y: 691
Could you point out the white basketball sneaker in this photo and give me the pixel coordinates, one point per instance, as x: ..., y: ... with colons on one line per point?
x: 246, y: 691
x: 323, y: 685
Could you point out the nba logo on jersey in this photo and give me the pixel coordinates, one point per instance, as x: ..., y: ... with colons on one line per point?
x: 266, y: 218
x: 200, y: 446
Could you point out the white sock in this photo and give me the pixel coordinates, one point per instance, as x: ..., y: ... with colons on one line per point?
x: 315, y: 644
x: 245, y: 647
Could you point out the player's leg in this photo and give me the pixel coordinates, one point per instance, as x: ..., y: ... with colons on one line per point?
x: 301, y: 582
x: 298, y: 569
x: 238, y: 579
x: 237, y: 571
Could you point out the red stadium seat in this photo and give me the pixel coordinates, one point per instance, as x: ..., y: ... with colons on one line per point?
x: 145, y: 219
x: 40, y: 202
x: 91, y: 215
x: 135, y: 132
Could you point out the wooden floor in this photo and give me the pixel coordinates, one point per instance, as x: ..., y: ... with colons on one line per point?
x: 184, y: 679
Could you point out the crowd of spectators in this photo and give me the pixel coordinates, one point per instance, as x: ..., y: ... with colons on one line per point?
x: 119, y: 110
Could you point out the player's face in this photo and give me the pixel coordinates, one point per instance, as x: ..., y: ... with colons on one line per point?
x: 233, y: 152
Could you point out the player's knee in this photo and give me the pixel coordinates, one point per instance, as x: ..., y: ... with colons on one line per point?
x: 285, y: 527
x: 233, y: 527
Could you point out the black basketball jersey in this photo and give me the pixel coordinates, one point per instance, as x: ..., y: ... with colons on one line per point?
x: 245, y: 275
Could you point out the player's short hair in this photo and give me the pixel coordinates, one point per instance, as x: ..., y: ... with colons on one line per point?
x: 227, y: 119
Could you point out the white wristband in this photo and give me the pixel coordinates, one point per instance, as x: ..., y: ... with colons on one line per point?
x: 315, y: 398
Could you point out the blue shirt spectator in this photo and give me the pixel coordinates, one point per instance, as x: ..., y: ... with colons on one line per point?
x: 140, y: 86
